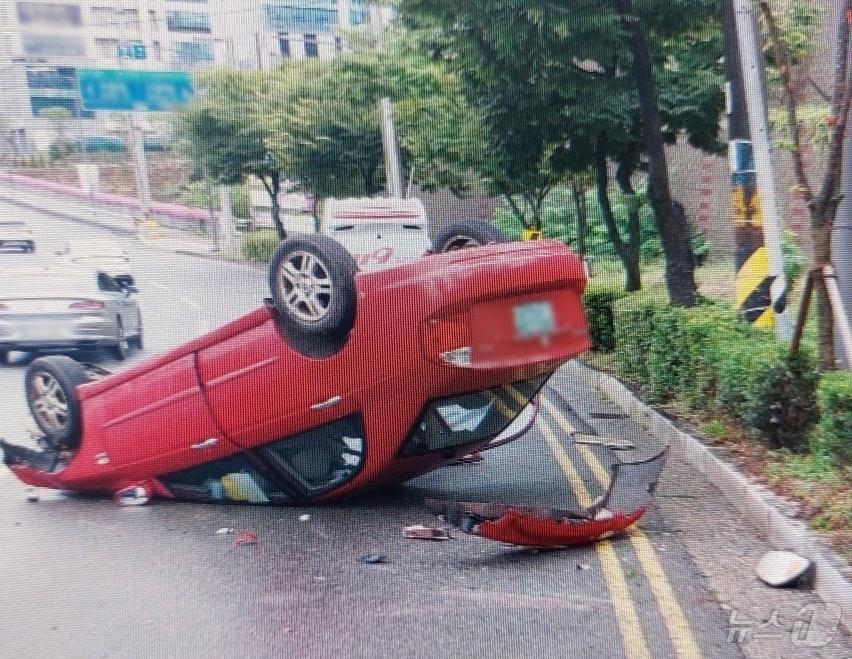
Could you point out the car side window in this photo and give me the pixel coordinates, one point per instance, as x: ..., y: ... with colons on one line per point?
x: 320, y: 458
x: 233, y: 479
x: 107, y: 283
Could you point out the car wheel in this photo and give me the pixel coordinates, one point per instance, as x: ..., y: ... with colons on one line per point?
x: 138, y: 340
x: 468, y: 234
x: 4, y: 356
x: 121, y: 350
x: 50, y: 383
x: 312, y: 280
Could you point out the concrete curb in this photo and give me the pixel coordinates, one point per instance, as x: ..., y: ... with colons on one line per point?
x: 781, y: 532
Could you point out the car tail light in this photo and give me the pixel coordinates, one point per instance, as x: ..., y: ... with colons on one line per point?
x: 87, y: 304
x: 447, y: 340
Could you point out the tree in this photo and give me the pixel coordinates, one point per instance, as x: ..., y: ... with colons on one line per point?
x: 225, y: 133
x: 822, y: 201
x: 58, y: 117
x: 550, y: 79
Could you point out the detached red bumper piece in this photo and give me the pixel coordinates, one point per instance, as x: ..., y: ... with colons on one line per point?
x: 628, y: 496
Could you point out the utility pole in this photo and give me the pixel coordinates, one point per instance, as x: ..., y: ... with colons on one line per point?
x: 143, y: 184
x: 751, y: 260
x: 761, y: 151
x: 393, y: 169
x: 841, y: 239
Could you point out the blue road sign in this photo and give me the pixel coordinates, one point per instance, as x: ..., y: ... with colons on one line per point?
x: 126, y: 91
x: 132, y: 50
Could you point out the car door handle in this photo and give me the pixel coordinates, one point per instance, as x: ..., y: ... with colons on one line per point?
x: 331, y: 402
x: 207, y: 443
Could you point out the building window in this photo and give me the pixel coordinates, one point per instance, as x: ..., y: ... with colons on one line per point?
x: 53, y: 45
x: 107, y: 48
x: 296, y: 16
x: 156, y: 51
x: 284, y: 46
x: 193, y: 52
x: 152, y: 20
x: 187, y: 21
x: 48, y: 13
x: 357, y: 12
x: 58, y: 78
x: 41, y: 103
x: 115, y: 17
x: 311, y: 46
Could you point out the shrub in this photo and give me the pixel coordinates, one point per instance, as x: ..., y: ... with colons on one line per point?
x: 259, y: 245
x: 598, y: 303
x: 833, y: 435
x: 709, y: 359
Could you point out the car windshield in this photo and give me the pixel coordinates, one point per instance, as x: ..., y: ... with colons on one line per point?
x: 456, y: 421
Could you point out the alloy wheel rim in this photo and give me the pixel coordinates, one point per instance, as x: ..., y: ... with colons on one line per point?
x: 49, y: 403
x: 305, y: 286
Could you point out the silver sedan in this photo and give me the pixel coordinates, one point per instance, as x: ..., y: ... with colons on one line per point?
x: 55, y: 310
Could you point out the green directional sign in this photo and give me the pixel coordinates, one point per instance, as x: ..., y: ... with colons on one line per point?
x: 126, y: 91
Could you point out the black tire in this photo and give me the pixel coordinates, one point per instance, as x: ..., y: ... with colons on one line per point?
x: 471, y: 233
x: 50, y: 383
x: 4, y: 356
x: 312, y: 281
x: 138, y: 340
x: 121, y: 350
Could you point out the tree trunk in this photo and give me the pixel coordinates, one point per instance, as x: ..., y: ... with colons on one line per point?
x: 823, y: 220
x: 276, y: 209
x: 631, y: 266
x: 578, y: 192
x: 634, y: 227
x: 671, y: 224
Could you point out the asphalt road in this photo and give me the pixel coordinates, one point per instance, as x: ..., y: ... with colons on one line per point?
x: 81, y: 577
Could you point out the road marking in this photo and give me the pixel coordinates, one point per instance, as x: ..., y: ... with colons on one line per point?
x: 632, y: 636
x: 676, y: 623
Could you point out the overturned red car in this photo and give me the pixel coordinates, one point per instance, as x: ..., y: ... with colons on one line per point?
x: 341, y: 380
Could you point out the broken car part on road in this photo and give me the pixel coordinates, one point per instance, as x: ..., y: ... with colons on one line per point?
x: 626, y: 499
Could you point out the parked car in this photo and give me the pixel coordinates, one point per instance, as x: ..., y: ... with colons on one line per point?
x: 16, y: 236
x: 104, y: 254
x: 51, y: 309
x: 340, y: 381
x: 383, y: 232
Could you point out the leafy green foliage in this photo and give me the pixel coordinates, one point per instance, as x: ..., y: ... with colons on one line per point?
x: 259, y: 245
x: 601, y: 319
x: 795, y: 260
x: 833, y: 434
x: 708, y: 359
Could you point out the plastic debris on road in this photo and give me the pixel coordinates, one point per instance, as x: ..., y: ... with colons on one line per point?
x: 420, y: 532
x: 32, y: 495
x: 225, y: 530
x: 373, y: 559
x: 784, y: 568
x: 304, y: 518
x: 246, y: 538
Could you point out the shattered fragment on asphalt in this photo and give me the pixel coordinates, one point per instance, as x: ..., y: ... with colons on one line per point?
x: 304, y: 518
x: 224, y: 530
x: 784, y: 568
x: 627, y: 498
x: 420, y: 532
x: 246, y: 538
x: 373, y: 559
x: 32, y: 495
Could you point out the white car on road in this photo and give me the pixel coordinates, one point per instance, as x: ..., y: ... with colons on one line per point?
x: 101, y: 254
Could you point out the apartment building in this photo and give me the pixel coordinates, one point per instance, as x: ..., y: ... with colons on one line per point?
x: 43, y: 43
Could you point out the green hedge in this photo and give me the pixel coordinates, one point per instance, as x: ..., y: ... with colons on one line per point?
x: 599, y: 314
x: 709, y: 360
x: 259, y: 245
x: 833, y: 434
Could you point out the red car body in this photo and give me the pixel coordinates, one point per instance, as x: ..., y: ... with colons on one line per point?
x: 445, y: 342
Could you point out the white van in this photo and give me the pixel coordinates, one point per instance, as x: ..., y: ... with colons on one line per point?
x: 379, y: 232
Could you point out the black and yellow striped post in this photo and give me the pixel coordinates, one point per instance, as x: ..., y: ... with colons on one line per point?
x: 753, y: 295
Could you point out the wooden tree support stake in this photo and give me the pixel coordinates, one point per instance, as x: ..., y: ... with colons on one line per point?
x: 828, y: 277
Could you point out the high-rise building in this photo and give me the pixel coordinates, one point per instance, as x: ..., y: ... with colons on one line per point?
x: 44, y: 43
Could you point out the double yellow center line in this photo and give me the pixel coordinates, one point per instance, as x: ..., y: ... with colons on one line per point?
x: 633, y: 637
